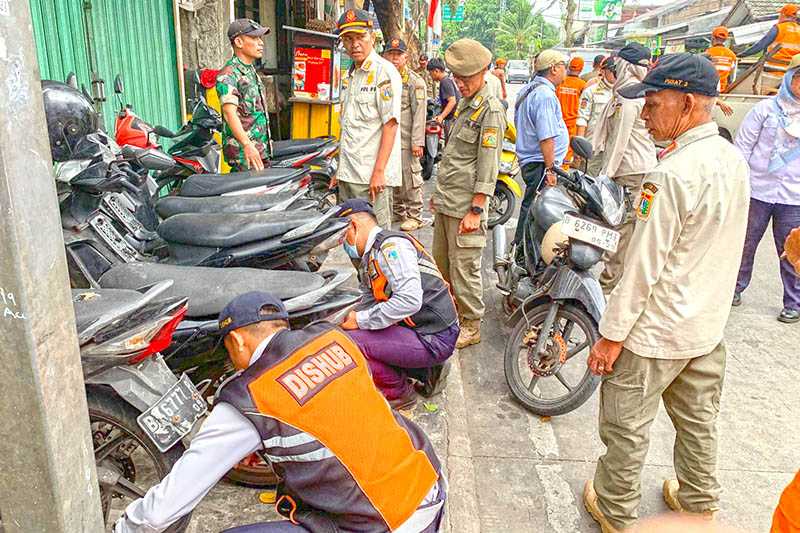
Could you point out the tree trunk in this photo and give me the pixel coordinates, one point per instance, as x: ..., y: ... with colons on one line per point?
x: 390, y: 17
x: 569, y: 19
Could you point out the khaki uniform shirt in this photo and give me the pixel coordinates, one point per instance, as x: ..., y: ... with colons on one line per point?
x: 370, y: 98
x: 431, y: 86
x: 471, y: 158
x: 593, y: 100
x: 413, y: 110
x: 494, y: 85
x: 683, y: 258
x: 629, y: 148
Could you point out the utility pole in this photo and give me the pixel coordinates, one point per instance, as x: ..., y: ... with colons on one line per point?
x: 49, y: 483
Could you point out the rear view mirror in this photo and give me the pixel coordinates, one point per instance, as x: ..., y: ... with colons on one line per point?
x: 72, y: 80
x: 119, y: 86
x: 582, y: 147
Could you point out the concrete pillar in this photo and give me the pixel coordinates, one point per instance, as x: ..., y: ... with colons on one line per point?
x: 47, y: 462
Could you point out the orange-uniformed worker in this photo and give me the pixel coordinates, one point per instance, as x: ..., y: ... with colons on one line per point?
x: 306, y: 402
x: 786, y: 35
x: 569, y: 95
x: 723, y: 57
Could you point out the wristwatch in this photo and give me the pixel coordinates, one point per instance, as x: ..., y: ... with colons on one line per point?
x: 476, y: 210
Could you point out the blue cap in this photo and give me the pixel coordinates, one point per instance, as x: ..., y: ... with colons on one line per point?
x: 249, y: 308
x: 353, y: 206
x: 685, y: 72
x: 635, y: 53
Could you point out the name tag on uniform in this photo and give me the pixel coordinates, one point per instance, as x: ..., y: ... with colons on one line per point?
x: 311, y: 375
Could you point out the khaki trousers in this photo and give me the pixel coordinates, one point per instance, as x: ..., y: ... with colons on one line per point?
x: 629, y: 397
x: 614, y: 263
x: 408, y: 197
x: 382, y: 204
x: 459, y: 260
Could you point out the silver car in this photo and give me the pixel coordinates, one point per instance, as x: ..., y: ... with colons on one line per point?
x: 518, y: 70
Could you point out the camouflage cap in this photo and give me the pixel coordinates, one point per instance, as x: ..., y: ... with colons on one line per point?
x: 247, y: 27
x: 466, y: 57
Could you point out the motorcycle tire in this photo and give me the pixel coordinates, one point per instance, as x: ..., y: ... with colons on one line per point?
x: 253, y: 476
x: 427, y: 167
x: 108, y: 408
x: 503, y: 196
x: 580, y: 393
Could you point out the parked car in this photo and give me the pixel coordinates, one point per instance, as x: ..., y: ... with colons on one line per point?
x: 518, y: 70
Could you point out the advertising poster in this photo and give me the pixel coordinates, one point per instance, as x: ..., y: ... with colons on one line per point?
x: 600, y: 10
x: 311, y: 73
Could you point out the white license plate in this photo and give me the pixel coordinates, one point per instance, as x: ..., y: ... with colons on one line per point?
x: 587, y: 231
x: 173, y: 415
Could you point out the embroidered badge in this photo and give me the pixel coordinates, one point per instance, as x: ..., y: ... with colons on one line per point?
x: 371, y: 77
x: 386, y: 93
x: 489, y: 138
x: 350, y: 16
x: 584, y: 104
x: 646, y: 200
x: 420, y: 93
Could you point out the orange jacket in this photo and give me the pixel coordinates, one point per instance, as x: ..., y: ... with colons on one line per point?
x: 569, y: 94
x: 724, y: 61
x: 787, y: 516
x: 789, y: 40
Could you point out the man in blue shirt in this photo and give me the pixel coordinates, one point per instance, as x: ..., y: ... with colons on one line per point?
x: 542, y: 137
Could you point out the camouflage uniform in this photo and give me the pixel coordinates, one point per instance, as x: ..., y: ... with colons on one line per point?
x: 239, y: 84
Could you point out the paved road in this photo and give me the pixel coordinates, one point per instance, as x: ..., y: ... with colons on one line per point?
x: 513, y: 472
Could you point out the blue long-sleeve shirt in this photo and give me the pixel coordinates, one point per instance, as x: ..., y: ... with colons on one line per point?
x: 763, y: 44
x: 539, y: 118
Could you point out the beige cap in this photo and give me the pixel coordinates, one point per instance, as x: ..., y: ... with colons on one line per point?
x: 466, y: 57
x: 548, y: 58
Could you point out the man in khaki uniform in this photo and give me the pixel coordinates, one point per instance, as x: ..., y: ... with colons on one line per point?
x: 629, y: 151
x: 594, y: 99
x: 467, y: 175
x: 663, y: 327
x: 413, y: 108
x: 431, y: 86
x: 369, y: 156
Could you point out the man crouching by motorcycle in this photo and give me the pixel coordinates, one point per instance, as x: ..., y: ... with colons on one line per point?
x: 407, y: 324
x: 294, y: 391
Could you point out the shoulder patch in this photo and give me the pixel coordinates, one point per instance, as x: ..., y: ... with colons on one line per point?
x: 385, y: 82
x: 646, y: 200
x: 584, y: 103
x: 386, y: 92
x: 420, y: 93
x: 390, y: 252
x: 489, y: 137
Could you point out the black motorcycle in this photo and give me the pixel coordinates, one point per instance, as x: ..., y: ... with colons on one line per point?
x: 555, y: 303
x: 434, y: 141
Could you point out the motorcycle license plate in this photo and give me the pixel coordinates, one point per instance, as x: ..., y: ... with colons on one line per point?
x: 587, y: 231
x: 169, y: 419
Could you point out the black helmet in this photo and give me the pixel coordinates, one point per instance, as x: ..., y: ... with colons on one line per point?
x: 70, y: 117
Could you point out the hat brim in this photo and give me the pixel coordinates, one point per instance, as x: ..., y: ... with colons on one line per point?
x: 357, y: 29
x: 255, y: 33
x: 395, y: 50
x: 639, y: 90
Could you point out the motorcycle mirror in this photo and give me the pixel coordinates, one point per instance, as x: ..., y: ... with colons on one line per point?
x: 119, y: 86
x: 72, y: 80
x: 582, y: 147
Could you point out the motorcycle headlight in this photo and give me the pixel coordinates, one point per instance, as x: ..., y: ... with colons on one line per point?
x: 506, y: 167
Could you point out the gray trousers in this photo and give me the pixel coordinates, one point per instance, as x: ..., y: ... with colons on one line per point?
x: 382, y: 204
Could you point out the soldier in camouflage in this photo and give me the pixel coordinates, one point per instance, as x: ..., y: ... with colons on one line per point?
x: 245, y: 136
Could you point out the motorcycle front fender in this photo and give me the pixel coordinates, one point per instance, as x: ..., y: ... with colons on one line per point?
x: 432, y: 144
x: 140, y: 385
x: 581, y: 286
x: 511, y: 184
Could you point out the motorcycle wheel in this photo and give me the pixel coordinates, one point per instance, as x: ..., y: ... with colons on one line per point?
x: 501, y: 205
x: 123, y: 447
x: 253, y: 472
x: 573, y: 334
x: 427, y: 166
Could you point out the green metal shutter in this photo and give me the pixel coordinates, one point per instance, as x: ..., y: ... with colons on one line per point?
x: 60, y: 36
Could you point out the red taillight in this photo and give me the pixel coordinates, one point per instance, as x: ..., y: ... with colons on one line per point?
x: 161, y: 340
x: 433, y: 128
x: 305, y: 181
x: 302, y: 161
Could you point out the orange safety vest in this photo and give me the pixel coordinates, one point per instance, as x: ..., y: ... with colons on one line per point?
x: 324, y: 388
x: 789, y: 40
x: 569, y: 94
x: 787, y: 516
x: 724, y: 61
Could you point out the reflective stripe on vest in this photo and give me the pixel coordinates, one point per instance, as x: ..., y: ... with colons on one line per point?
x: 788, y: 39
x: 306, y: 389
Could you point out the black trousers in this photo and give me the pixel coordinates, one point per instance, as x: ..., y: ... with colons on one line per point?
x: 532, y: 175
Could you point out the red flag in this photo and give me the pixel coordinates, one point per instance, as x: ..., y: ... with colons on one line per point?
x: 432, y: 13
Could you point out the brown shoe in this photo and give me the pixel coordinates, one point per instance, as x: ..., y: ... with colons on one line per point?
x: 470, y: 333
x: 590, y: 502
x: 410, y: 224
x: 671, y: 487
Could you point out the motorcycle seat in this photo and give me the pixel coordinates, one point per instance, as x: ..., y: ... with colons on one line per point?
x: 217, y: 184
x: 223, y: 230
x: 91, y: 304
x: 210, y: 289
x: 241, y: 203
x: 292, y: 147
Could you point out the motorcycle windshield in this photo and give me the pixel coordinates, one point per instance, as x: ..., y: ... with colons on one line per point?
x: 610, y: 199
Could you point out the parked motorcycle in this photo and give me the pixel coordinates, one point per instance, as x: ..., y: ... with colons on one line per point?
x: 434, y: 141
x: 504, y: 201
x: 554, y: 301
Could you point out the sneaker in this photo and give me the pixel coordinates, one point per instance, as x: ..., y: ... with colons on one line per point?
x: 737, y: 299
x: 470, y: 334
x: 789, y: 316
x: 670, y: 491
x: 410, y: 224
x: 590, y: 502
x: 436, y: 380
x: 404, y: 402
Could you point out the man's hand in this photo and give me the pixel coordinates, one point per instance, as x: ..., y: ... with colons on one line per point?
x: 725, y: 108
x: 416, y: 151
x: 603, y: 355
x: 439, y: 118
x: 470, y: 223
x: 334, y: 182
x: 349, y: 322
x: 550, y: 177
x: 791, y: 249
x: 252, y: 157
x: 377, y: 183
x: 431, y: 205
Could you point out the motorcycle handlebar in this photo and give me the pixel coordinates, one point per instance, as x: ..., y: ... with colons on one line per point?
x: 565, y: 178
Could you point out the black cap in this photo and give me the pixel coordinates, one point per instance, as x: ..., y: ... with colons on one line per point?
x: 635, y: 53
x: 353, y: 206
x: 249, y: 308
x: 689, y: 73
x: 354, y: 20
x: 396, y: 45
x: 436, y: 63
x: 246, y: 27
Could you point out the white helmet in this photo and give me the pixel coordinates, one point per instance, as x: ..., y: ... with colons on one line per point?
x: 553, y: 239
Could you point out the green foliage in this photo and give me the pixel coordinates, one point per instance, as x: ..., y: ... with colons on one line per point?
x: 508, y: 28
